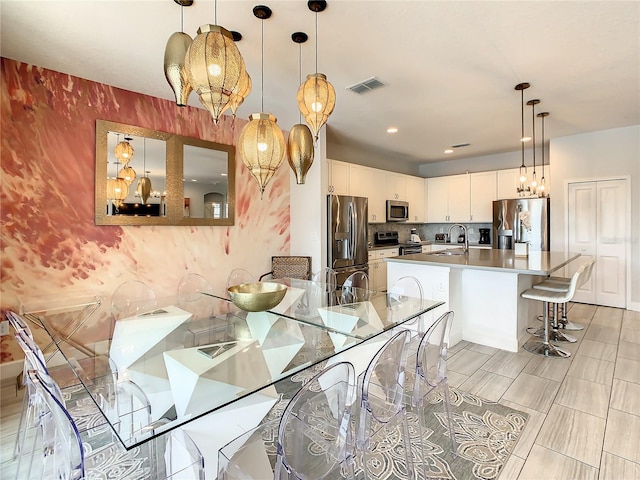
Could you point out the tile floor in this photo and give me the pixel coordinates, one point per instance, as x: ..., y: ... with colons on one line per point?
x: 584, y: 410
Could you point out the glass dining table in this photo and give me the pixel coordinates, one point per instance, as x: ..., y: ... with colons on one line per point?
x: 201, y: 356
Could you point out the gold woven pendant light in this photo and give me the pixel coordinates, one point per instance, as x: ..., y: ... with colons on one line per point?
x: 316, y: 96
x: 300, y: 149
x: 261, y: 143
x: 214, y: 67
x: 174, y: 58
x: 124, y: 151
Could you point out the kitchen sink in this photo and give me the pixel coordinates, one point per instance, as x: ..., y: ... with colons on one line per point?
x: 443, y: 253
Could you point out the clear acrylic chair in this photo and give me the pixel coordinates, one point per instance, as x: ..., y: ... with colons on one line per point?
x: 195, y: 295
x: 381, y: 402
x: 431, y: 385
x: 398, y: 293
x: 355, y: 288
x: 313, y: 434
x: 183, y: 460
x: 59, y: 451
x: 240, y: 275
x: 327, y: 276
x: 131, y: 298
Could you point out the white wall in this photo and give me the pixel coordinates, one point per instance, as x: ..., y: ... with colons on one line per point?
x: 604, y: 154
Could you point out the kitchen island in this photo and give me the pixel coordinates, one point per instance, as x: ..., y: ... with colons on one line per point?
x: 483, y: 288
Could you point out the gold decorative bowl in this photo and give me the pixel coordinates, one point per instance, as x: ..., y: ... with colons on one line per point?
x: 257, y: 297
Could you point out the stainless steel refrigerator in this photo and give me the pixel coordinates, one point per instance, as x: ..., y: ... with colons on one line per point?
x: 347, y: 235
x: 521, y: 220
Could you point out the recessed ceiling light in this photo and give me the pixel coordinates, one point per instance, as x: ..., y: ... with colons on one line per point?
x: 448, y: 151
x: 194, y: 180
x: 223, y: 174
x: 525, y: 139
x: 392, y: 130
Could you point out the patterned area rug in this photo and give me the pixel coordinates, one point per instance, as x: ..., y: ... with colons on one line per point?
x: 486, y: 434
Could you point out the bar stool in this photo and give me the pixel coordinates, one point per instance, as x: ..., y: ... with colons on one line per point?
x: 559, y: 283
x: 544, y: 346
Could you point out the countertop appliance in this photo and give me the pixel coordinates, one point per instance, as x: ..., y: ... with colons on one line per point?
x: 414, y: 236
x: 484, y: 236
x: 397, y: 211
x: 390, y: 239
x: 347, y: 250
x: 521, y: 220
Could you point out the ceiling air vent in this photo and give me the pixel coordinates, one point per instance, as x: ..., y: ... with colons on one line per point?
x: 460, y: 145
x: 366, y: 85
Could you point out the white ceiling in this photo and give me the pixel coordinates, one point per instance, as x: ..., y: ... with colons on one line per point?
x: 450, y: 67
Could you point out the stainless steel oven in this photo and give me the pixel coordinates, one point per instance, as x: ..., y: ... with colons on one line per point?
x: 409, y: 249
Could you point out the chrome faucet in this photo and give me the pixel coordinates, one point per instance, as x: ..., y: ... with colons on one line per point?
x: 466, y: 237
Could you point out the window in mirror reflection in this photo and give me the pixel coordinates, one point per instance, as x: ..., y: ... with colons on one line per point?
x: 148, y: 160
x: 205, y: 183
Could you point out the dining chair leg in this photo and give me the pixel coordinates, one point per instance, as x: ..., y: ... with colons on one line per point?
x: 447, y: 410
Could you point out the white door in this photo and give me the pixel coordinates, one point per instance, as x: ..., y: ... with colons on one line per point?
x: 611, y: 249
x: 597, y: 213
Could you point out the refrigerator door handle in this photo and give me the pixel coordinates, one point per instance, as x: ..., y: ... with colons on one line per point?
x: 352, y: 232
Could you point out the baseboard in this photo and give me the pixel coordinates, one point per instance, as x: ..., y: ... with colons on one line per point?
x: 635, y: 306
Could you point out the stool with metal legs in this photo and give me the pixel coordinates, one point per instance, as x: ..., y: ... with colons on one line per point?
x: 544, y: 346
x: 555, y: 334
x: 559, y: 282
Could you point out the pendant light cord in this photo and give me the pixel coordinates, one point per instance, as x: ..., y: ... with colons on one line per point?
x: 144, y: 154
x: 299, y: 76
x: 182, y: 18
x: 543, y: 147
x: 533, y: 136
x: 316, y: 42
x: 522, y: 126
x: 262, y: 65
x: 215, y: 12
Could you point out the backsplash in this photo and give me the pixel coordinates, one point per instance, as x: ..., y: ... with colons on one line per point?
x: 427, y: 231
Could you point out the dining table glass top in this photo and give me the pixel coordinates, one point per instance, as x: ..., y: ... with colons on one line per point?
x: 192, y: 358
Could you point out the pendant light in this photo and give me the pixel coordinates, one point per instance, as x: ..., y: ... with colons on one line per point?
x: 316, y: 96
x: 261, y: 142
x: 214, y: 66
x: 300, y: 143
x: 174, y: 58
x: 534, y: 180
x: 241, y: 92
x: 543, y: 183
x: 124, y: 151
x: 128, y: 174
x: 144, y: 184
x: 522, y: 186
x: 117, y: 190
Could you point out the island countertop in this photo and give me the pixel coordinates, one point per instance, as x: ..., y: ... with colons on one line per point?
x: 536, y: 263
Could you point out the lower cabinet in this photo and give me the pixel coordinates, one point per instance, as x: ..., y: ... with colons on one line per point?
x: 378, y: 267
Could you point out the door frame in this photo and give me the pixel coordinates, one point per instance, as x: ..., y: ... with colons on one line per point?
x: 627, y: 234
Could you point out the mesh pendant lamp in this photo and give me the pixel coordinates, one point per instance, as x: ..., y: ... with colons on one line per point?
x: 240, y: 92
x: 124, y: 151
x: 128, y: 174
x: 300, y: 149
x: 261, y: 143
x: 316, y: 96
x: 117, y: 190
x: 214, y: 66
x: 174, y: 58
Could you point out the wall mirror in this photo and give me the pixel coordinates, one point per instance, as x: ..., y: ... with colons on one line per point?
x: 158, y: 178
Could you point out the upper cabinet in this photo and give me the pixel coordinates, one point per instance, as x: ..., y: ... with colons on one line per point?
x: 507, y: 183
x: 396, y: 186
x: 416, y: 196
x: 482, y: 193
x: 448, y: 199
x: 369, y: 182
x: 338, y: 177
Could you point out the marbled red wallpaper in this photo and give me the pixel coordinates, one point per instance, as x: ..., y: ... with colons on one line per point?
x: 50, y: 244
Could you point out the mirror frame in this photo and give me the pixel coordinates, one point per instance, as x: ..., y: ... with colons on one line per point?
x: 173, y: 171
x: 231, y: 180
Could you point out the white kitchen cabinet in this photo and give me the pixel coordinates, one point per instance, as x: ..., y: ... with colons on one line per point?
x: 378, y: 267
x: 396, y: 186
x: 448, y: 199
x: 482, y: 187
x: 338, y: 177
x: 426, y: 248
x: 507, y: 183
x: 417, y: 199
x: 369, y: 182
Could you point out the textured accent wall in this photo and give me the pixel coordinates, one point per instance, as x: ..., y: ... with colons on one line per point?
x: 50, y: 244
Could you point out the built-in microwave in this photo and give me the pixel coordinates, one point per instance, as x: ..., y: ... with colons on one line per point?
x: 397, y: 211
